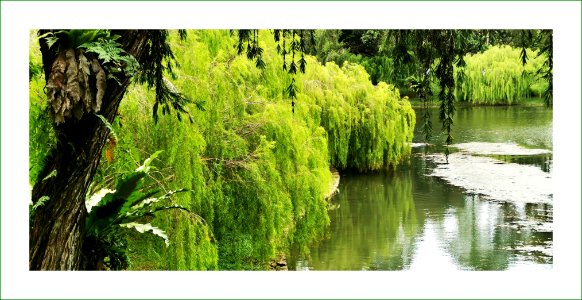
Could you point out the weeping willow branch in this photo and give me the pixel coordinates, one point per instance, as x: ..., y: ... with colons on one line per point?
x: 289, y: 42
x: 241, y: 162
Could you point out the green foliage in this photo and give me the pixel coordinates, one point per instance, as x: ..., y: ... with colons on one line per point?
x: 545, y: 72
x: 40, y: 130
x: 253, y: 50
x: 157, y: 62
x: 74, y: 38
x: 34, y: 57
x: 369, y: 127
x: 108, y: 125
x: 41, y: 201
x: 365, y: 42
x: 257, y: 172
x: 497, y: 76
x: 192, y: 246
x: 424, y: 90
x: 112, y: 56
x: 125, y: 207
x: 445, y: 43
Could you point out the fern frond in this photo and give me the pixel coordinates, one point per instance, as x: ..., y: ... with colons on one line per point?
x: 143, y: 228
x: 41, y: 201
x: 52, y: 174
x: 109, y: 126
x: 96, y: 198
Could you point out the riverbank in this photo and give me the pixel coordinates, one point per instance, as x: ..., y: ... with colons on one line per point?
x: 527, y: 102
x: 333, y: 186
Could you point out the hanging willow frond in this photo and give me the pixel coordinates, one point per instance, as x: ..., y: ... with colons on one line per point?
x: 159, y: 60
x: 167, y: 97
x: 288, y: 42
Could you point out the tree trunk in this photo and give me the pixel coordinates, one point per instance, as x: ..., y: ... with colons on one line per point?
x: 57, y: 230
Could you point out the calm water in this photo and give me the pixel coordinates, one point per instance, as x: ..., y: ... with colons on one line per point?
x: 405, y: 219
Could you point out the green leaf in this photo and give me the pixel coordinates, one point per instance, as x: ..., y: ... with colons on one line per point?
x: 200, y: 104
x: 52, y: 174
x: 523, y: 56
x: 302, y: 64
x: 96, y: 198
x: 292, y: 68
x: 137, y: 196
x: 146, y: 200
x: 260, y: 63
x: 51, y: 40
x: 145, y: 167
x: 108, y: 125
x: 113, y: 206
x: 41, y: 201
x: 143, y: 228
x: 129, y: 184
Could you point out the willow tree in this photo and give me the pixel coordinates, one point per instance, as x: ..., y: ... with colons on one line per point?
x: 436, y: 53
x: 418, y: 58
x: 87, y: 73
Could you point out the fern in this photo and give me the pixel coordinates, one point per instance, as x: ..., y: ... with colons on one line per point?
x: 142, y: 228
x: 96, y: 198
x: 52, y: 174
x: 74, y: 38
x: 41, y: 201
x: 109, y: 126
x: 125, y: 207
x: 113, y: 57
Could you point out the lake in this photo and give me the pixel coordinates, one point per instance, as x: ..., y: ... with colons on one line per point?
x: 487, y: 206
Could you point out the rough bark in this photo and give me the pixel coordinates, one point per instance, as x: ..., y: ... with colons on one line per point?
x: 57, y: 229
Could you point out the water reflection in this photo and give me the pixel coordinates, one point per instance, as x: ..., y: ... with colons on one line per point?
x: 373, y: 228
x: 406, y: 220
x: 527, y: 126
x: 543, y: 161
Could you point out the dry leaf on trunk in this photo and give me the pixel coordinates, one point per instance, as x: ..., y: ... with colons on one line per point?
x: 69, y: 91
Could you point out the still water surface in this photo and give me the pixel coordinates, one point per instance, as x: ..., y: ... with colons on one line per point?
x: 407, y: 220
